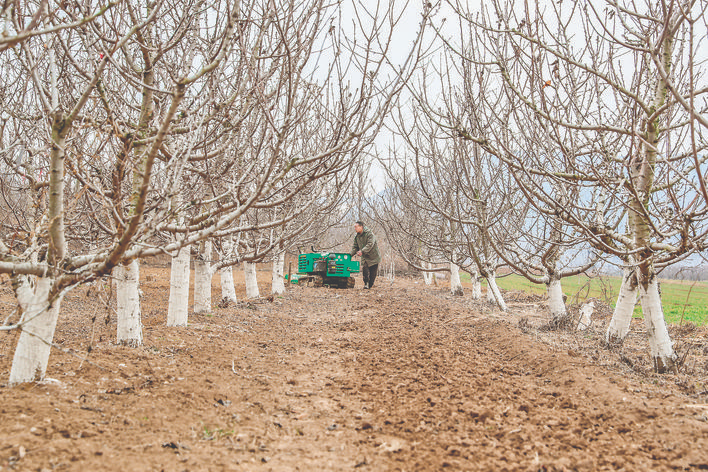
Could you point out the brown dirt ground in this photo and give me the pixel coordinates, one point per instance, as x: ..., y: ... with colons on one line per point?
x: 402, y: 377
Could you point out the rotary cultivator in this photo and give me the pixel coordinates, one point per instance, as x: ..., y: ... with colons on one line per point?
x: 332, y: 269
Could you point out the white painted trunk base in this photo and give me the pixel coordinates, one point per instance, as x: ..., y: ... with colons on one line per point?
x: 427, y: 276
x: 556, y: 305
x: 390, y: 270
x: 455, y: 282
x: 476, y: 287
x: 228, y: 291
x: 586, y: 315
x: 662, y: 351
x: 178, y: 305
x: 130, y: 328
x: 249, y: 270
x: 31, y: 357
x: 495, y: 293
x: 278, y: 286
x: 622, y: 316
x: 490, y: 292
x: 202, y: 280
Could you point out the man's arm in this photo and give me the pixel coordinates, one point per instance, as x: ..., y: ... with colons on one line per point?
x: 355, y: 247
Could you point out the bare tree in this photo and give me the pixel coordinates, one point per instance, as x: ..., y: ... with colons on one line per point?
x: 590, y: 80
x: 201, y: 116
x: 44, y: 18
x: 52, y: 112
x: 416, y: 234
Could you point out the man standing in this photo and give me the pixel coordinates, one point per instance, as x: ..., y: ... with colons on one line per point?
x: 365, y: 246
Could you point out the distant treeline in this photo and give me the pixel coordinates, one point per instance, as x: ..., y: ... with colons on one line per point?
x: 691, y: 273
x: 675, y: 272
x: 685, y: 273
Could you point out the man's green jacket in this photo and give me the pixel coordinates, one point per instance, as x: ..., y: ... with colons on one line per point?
x: 366, y: 243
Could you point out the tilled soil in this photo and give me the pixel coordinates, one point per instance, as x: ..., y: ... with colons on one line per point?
x: 401, y: 377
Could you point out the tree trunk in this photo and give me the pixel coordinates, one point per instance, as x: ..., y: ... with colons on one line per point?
x: 130, y: 328
x: 455, y: 282
x: 622, y: 316
x: 39, y: 318
x: 202, y: 279
x: 427, y: 276
x: 641, y: 171
x: 556, y: 305
x: 178, y: 305
x: 476, y: 286
x: 278, y: 287
x: 490, y: 293
x: 586, y: 316
x: 31, y: 355
x: 662, y: 351
x: 228, y: 291
x: 495, y: 293
x: 249, y: 270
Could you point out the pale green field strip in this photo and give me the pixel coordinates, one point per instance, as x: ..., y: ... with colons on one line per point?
x: 683, y: 301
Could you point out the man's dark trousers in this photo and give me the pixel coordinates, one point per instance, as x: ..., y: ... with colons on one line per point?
x: 369, y: 273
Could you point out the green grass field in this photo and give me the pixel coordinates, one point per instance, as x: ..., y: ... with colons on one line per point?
x: 683, y: 301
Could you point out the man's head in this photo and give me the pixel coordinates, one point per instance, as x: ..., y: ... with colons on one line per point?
x: 359, y: 227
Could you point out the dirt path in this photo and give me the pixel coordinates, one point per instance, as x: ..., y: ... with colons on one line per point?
x: 398, y: 378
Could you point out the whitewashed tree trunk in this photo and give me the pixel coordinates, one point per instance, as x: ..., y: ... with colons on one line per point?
x: 490, y: 293
x: 202, y: 279
x: 278, y: 287
x: 556, y: 305
x: 586, y: 316
x: 495, y: 293
x: 455, y: 282
x: 476, y: 286
x: 642, y: 170
x: 228, y: 291
x: 662, y: 351
x: 427, y: 276
x: 130, y: 328
x: 178, y: 305
x: 39, y: 320
x: 249, y: 270
x: 624, y: 309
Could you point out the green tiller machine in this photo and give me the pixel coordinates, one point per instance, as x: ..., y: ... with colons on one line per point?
x: 327, y: 268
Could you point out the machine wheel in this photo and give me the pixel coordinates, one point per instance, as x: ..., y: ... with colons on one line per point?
x: 317, y: 281
x: 350, y: 282
x: 342, y: 282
